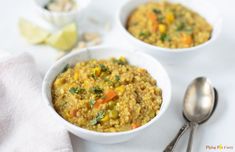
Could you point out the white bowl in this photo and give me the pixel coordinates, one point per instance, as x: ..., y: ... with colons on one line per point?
x: 61, y: 18
x: 135, y: 58
x: 168, y: 55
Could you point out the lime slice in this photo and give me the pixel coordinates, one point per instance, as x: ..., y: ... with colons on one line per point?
x: 32, y: 33
x: 65, y: 39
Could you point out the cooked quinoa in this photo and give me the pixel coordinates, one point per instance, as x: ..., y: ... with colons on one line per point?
x: 168, y: 25
x: 106, y: 95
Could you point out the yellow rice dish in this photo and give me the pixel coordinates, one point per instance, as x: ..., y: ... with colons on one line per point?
x: 106, y: 95
x: 168, y: 25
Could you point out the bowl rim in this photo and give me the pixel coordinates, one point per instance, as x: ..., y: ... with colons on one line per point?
x: 170, y: 50
x: 72, y: 12
x: 91, y: 132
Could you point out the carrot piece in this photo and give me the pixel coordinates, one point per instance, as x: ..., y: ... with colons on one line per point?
x: 154, y: 27
x: 152, y: 16
x: 98, y: 102
x: 108, y: 97
x: 153, y: 19
x: 186, y: 39
x: 73, y: 112
x: 134, y: 125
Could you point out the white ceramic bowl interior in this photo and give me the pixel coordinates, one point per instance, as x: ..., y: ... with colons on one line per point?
x: 61, y: 18
x: 135, y: 58
x: 167, y: 55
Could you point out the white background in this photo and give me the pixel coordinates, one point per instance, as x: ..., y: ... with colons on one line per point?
x: 218, y: 64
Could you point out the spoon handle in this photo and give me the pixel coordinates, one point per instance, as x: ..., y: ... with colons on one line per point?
x: 193, y: 127
x: 172, y: 144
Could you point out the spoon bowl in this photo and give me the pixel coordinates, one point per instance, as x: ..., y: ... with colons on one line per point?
x: 215, y: 105
x: 199, y: 100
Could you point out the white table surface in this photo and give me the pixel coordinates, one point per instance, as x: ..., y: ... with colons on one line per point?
x: 218, y: 64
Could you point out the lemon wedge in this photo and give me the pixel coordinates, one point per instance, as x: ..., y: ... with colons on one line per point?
x: 32, y: 33
x: 65, y: 39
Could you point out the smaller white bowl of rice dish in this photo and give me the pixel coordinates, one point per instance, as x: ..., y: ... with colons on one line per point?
x: 173, y: 31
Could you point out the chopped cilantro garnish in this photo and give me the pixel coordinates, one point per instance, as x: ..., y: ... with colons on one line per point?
x: 76, y: 90
x: 93, y: 121
x: 160, y: 18
x: 117, y: 78
x: 107, y: 80
x: 165, y: 37
x: 65, y: 68
x: 181, y: 26
x: 144, y: 34
x: 93, y: 76
x: 97, y: 96
x: 157, y: 11
x: 96, y: 90
x: 98, y: 117
x: 103, y: 68
x: 92, y: 102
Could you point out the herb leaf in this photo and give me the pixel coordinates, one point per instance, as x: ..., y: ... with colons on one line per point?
x: 93, y: 76
x: 108, y: 81
x: 93, y: 121
x: 96, y: 90
x: 157, y: 11
x: 92, y: 102
x: 160, y: 18
x: 181, y: 26
x: 72, y: 90
x: 65, y: 68
x: 144, y: 34
x: 77, y: 90
x: 98, y: 117
x: 165, y: 37
x: 104, y: 68
x: 117, y: 78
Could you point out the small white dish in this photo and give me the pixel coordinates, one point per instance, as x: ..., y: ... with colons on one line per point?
x: 60, y: 19
x: 135, y: 58
x: 168, y: 55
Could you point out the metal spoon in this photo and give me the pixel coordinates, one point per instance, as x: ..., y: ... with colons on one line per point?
x: 199, y: 103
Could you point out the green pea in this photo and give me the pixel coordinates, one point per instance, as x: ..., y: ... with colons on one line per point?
x: 113, y: 114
